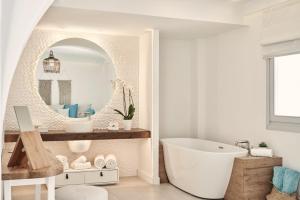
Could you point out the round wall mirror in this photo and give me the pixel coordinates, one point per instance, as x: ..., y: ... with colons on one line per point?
x: 75, y: 77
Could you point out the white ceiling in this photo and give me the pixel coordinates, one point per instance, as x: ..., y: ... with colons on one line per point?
x: 223, y: 11
x: 128, y: 24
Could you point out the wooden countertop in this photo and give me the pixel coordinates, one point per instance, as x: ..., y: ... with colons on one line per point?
x: 97, y: 134
x: 254, y: 161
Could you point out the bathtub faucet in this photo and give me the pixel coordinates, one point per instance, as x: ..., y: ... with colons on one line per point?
x: 243, y: 144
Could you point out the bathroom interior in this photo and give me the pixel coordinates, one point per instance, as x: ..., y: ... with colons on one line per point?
x: 150, y: 99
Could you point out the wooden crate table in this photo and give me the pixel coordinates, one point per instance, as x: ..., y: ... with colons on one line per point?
x: 251, y: 178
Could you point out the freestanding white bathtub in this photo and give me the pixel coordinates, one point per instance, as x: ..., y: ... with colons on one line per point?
x: 200, y: 167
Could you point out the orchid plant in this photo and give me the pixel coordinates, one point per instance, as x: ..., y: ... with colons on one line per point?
x: 129, y: 111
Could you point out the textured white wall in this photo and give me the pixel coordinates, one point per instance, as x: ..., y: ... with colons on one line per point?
x: 178, y: 88
x: 236, y: 92
x: 18, y: 17
x: 124, y: 52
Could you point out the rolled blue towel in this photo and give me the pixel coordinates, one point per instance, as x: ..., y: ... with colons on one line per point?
x: 278, y: 177
x: 290, y: 181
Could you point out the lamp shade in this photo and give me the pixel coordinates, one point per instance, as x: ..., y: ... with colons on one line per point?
x: 51, y: 64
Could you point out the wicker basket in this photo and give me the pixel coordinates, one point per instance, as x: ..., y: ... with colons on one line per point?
x: 277, y: 195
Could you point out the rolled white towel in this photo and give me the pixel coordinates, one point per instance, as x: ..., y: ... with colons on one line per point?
x: 111, y: 161
x: 264, y: 152
x: 99, y: 161
x: 64, y: 161
x: 80, y: 159
x: 85, y: 165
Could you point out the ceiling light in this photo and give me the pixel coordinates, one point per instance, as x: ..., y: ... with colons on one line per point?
x: 51, y: 64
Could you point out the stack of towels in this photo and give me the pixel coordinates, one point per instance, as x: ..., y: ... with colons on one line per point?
x: 261, y: 151
x: 100, y: 162
x: 81, y: 163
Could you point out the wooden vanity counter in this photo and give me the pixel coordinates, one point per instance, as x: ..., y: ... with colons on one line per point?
x: 251, y: 178
x: 97, y: 134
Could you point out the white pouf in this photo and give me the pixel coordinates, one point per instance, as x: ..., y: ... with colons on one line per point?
x: 81, y: 192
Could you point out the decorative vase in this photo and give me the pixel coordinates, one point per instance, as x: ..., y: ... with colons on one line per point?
x: 127, y: 124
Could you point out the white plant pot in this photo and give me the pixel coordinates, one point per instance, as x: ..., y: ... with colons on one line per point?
x: 127, y: 124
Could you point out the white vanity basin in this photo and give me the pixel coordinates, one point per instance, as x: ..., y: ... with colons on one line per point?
x: 79, y: 126
x: 79, y: 146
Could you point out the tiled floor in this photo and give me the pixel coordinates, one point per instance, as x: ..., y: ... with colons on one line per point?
x: 128, y: 189
x: 138, y: 190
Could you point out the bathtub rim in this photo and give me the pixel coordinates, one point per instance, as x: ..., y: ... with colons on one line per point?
x: 242, y: 150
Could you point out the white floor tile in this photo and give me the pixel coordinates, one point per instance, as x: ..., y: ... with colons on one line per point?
x: 128, y: 189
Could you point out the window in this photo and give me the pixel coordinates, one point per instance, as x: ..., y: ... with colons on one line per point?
x: 283, y: 102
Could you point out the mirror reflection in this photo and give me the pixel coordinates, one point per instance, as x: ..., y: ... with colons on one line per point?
x: 75, y: 77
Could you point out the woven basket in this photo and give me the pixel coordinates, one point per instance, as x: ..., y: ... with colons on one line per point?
x: 277, y: 195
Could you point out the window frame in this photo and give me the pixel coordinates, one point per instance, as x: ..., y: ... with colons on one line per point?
x: 275, y: 122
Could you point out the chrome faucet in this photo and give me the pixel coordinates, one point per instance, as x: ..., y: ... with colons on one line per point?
x: 88, y: 115
x: 243, y: 144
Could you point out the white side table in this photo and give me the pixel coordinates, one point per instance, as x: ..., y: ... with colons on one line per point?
x: 49, y: 181
x: 15, y: 170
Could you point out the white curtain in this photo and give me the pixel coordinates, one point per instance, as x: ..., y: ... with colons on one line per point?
x: 45, y: 90
x: 65, y: 91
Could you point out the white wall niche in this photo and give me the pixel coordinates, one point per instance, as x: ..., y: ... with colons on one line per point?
x: 124, y: 52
